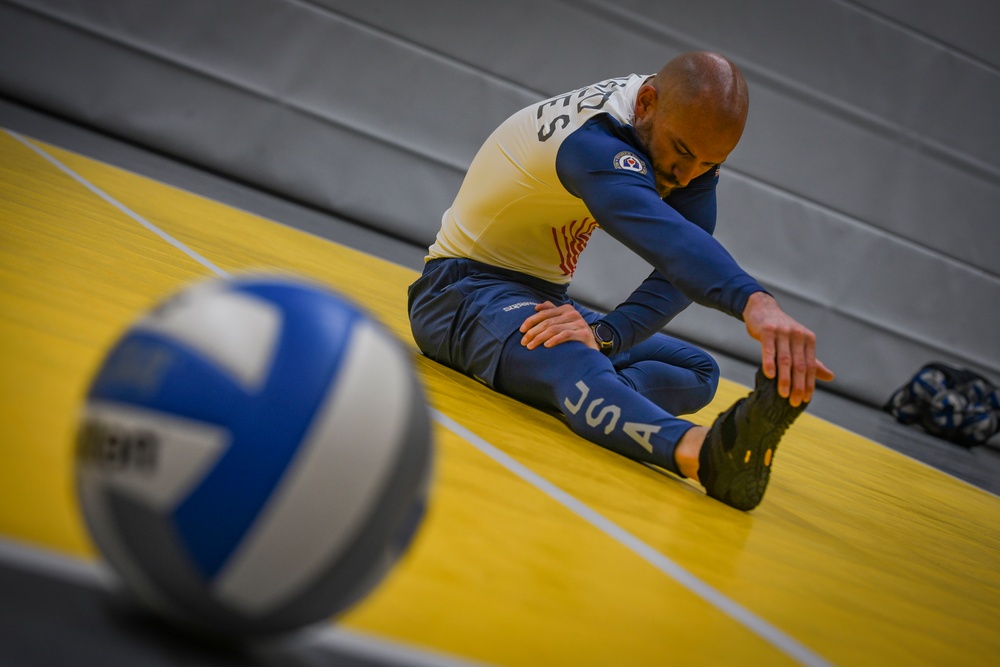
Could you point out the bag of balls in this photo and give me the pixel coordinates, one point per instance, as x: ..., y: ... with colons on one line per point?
x: 955, y: 404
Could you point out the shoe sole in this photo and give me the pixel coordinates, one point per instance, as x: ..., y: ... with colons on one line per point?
x: 748, y: 484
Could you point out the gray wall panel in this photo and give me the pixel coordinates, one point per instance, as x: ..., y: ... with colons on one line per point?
x: 874, y: 178
x: 968, y: 26
x: 309, y: 58
x: 546, y: 46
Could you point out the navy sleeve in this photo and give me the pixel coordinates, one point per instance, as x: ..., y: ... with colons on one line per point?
x: 655, y: 302
x: 621, y: 195
x: 646, y: 311
x: 696, y: 202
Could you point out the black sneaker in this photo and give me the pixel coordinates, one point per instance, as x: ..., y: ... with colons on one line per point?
x: 735, y: 461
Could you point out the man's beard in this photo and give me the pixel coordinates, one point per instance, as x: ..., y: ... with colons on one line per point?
x: 665, y: 182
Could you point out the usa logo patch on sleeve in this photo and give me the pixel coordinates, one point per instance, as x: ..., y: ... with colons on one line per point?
x: 630, y: 161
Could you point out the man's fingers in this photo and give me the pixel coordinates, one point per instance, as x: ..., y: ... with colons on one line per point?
x: 803, y: 369
x: 551, y: 325
x: 809, y: 385
x: 537, y: 333
x: 560, y: 337
x: 542, y: 313
x: 817, y: 372
x: 799, y: 365
x: 784, y: 362
x: 788, y: 349
x: 550, y: 335
x: 822, y: 372
x: 767, y: 352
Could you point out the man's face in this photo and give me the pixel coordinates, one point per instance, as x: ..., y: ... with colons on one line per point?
x: 682, y: 141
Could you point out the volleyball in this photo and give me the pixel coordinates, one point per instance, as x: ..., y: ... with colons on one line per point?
x: 980, y: 424
x: 947, y: 412
x: 902, y: 406
x: 976, y: 391
x: 927, y: 384
x: 253, y: 455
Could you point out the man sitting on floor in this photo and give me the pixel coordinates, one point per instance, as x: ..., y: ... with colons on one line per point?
x: 639, y: 157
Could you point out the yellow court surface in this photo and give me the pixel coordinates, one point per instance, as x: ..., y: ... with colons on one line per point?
x: 538, y: 548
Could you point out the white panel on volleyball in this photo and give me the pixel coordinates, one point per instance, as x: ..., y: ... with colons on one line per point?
x: 183, y: 451
x: 236, y: 331
x: 343, y: 464
x: 151, y: 456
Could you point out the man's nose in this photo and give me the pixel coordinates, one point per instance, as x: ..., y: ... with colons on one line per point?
x: 684, y: 172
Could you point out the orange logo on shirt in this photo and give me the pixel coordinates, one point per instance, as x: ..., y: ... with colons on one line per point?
x: 570, y: 241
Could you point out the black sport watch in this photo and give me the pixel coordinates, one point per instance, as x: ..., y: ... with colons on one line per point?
x: 604, y: 336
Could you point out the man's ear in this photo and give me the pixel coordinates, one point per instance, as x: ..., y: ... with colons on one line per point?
x: 645, y: 101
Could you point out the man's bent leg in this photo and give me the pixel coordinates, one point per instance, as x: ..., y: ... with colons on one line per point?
x: 582, y: 384
x: 675, y: 375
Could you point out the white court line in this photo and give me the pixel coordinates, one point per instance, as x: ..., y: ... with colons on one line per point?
x: 757, y: 625
x: 121, y: 207
x: 734, y: 610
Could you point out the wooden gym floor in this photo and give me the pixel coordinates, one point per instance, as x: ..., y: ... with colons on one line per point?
x: 539, y: 548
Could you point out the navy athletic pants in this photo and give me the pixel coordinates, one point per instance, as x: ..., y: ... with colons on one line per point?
x: 466, y: 315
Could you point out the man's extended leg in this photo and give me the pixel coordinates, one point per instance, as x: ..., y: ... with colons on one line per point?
x: 732, y: 459
x: 583, y: 385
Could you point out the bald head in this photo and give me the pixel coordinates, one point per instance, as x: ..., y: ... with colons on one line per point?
x: 690, y: 115
x: 709, y: 80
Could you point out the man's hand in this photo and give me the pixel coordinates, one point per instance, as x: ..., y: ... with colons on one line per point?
x: 550, y: 326
x: 788, y: 349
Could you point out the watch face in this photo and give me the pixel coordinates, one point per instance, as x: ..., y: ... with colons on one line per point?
x: 603, y: 335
